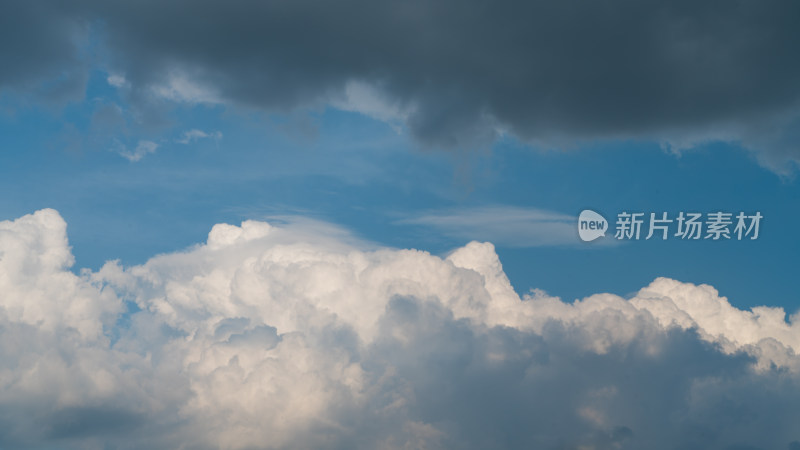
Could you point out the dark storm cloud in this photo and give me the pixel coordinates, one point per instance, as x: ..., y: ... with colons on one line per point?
x: 550, y: 72
x: 39, y: 50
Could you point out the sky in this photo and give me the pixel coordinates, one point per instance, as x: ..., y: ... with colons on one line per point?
x: 354, y: 224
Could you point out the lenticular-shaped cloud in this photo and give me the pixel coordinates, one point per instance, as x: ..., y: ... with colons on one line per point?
x: 297, y: 336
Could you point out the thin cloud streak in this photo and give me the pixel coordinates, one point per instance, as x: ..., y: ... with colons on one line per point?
x: 508, y: 226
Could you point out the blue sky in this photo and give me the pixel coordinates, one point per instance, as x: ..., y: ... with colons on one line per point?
x: 354, y: 224
x: 373, y: 179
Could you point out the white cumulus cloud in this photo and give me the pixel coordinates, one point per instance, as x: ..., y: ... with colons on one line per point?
x: 298, y: 336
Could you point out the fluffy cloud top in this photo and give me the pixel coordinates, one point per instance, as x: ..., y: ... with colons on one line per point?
x: 455, y: 73
x: 297, y: 336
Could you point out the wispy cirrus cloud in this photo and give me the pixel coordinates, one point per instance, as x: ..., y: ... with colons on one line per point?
x: 510, y: 226
x: 195, y: 135
x: 142, y: 149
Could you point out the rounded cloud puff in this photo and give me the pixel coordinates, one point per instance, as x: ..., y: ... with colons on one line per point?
x: 299, y: 336
x: 36, y: 286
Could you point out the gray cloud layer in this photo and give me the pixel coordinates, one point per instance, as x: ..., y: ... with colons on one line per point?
x: 455, y: 72
x: 40, y: 51
x: 297, y: 336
